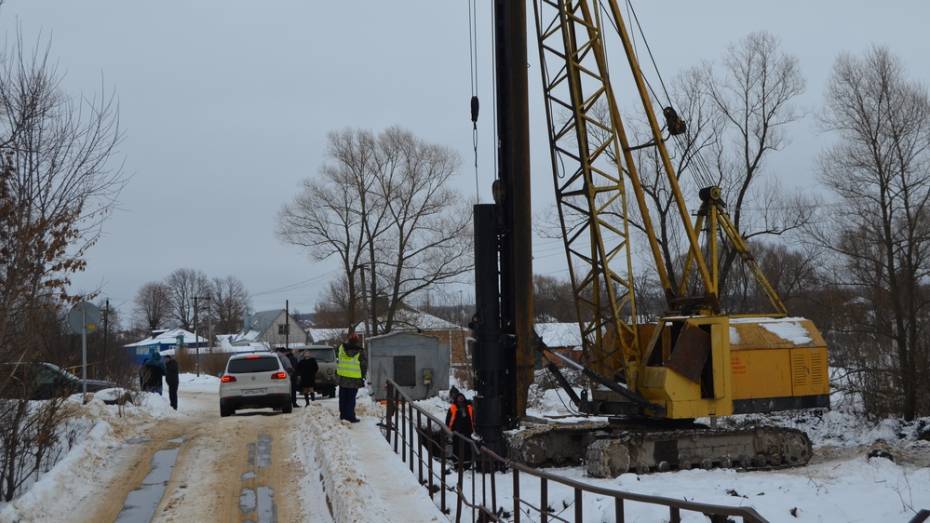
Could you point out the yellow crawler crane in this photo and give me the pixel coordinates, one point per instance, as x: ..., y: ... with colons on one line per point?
x: 696, y: 361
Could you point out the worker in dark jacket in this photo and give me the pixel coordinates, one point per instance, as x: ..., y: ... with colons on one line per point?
x: 171, y: 378
x: 307, y: 368
x: 152, y: 372
x: 290, y: 365
x: 460, y: 418
x: 351, y: 366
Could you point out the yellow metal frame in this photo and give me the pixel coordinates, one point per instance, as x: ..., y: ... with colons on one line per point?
x: 594, y: 154
x: 719, y: 225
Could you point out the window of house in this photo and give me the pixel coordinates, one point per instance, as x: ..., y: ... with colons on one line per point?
x: 283, y: 329
x: 405, y: 371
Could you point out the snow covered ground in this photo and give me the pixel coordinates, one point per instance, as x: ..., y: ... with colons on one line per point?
x: 840, y: 484
x: 363, y: 480
x: 97, y: 436
x: 347, y: 473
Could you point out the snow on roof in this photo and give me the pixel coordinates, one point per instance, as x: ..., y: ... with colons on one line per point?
x: 168, y: 337
x: 232, y: 343
x: 559, y: 334
x: 791, y: 329
x: 319, y: 335
x: 425, y: 321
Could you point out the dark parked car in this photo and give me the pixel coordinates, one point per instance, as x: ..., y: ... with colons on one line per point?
x: 42, y: 381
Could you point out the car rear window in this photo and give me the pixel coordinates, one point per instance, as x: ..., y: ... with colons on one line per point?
x: 323, y: 354
x: 243, y: 365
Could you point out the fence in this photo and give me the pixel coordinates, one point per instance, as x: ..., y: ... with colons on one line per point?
x: 424, y: 442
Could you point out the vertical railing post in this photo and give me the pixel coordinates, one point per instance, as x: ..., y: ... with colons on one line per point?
x: 618, y: 510
x: 674, y: 515
x: 543, y: 500
x: 579, y: 512
x: 493, y: 483
x: 403, y: 434
x: 516, y: 496
x: 387, y: 413
x: 396, y: 414
x: 411, y: 434
x: 418, y: 432
x: 458, y: 485
x: 442, y: 469
x: 429, y: 454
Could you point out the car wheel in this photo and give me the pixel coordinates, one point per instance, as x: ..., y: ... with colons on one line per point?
x: 287, y: 408
x: 226, y: 411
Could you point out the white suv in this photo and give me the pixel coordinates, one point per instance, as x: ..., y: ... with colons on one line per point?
x: 252, y: 381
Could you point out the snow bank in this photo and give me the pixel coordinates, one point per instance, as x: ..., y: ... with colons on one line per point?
x: 348, y: 491
x: 90, y: 439
x: 362, y: 478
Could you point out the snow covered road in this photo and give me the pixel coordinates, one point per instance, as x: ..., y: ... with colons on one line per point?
x: 258, y: 466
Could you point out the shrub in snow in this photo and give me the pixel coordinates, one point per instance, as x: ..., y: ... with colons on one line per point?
x: 33, y: 435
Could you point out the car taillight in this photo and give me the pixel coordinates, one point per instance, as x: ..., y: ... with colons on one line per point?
x: 227, y: 378
x: 279, y: 375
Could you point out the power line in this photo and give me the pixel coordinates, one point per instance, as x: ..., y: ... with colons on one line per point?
x: 295, y: 285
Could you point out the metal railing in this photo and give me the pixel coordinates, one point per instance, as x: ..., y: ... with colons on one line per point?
x: 425, y: 443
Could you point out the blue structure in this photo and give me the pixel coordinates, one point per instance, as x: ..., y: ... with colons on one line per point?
x: 165, y: 341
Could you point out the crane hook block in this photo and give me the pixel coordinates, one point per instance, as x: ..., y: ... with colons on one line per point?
x: 673, y: 122
x: 474, y: 110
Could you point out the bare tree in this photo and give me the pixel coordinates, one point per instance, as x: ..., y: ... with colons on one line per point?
x: 57, y: 183
x: 153, y: 304
x: 702, y: 138
x: 428, y: 240
x: 332, y: 215
x: 755, y: 90
x: 330, y: 309
x: 184, y: 285
x: 381, y: 205
x: 554, y: 299
x: 230, y: 303
x: 880, y: 171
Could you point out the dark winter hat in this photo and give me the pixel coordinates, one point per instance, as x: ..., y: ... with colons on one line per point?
x: 354, y: 338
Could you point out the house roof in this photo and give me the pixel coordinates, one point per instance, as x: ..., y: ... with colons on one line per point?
x: 167, y: 337
x: 260, y: 321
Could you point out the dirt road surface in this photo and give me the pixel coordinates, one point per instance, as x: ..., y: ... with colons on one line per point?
x: 241, y: 468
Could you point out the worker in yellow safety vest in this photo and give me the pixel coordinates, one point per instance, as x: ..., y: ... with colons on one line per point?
x: 351, y: 366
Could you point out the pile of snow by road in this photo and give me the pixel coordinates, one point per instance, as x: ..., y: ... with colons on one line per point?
x: 362, y: 478
x: 88, y: 440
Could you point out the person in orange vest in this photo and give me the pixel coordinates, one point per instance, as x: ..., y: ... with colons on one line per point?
x: 460, y: 418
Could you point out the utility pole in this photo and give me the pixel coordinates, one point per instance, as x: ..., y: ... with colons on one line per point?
x: 196, y: 337
x: 106, y: 333
x: 287, y: 324
x: 365, y: 302
x: 196, y: 341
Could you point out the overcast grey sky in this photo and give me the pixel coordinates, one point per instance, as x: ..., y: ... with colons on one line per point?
x: 225, y: 107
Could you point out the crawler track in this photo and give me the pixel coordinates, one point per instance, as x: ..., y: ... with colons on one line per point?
x: 609, y: 450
